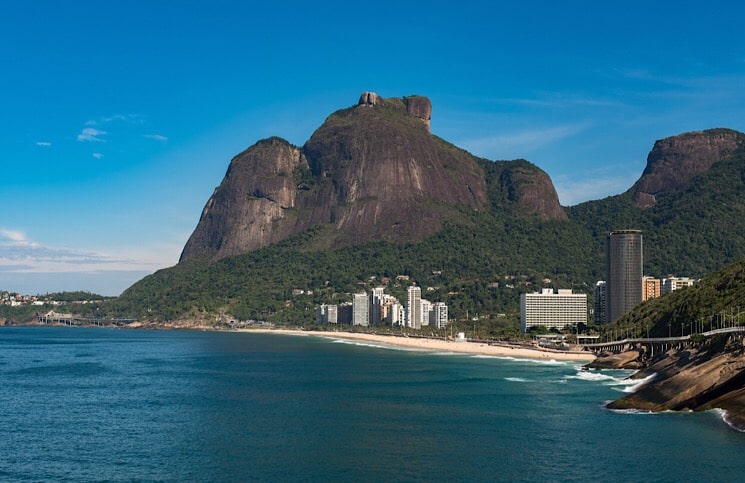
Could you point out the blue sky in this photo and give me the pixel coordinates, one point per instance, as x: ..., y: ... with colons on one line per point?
x: 120, y: 118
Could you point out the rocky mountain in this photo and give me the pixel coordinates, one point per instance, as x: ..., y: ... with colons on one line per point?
x: 374, y: 194
x: 372, y: 172
x: 675, y: 161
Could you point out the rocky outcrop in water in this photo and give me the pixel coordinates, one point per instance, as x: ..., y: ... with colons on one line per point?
x: 699, y: 378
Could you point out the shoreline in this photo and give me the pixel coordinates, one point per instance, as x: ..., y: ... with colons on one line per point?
x: 496, y: 349
x: 439, y: 345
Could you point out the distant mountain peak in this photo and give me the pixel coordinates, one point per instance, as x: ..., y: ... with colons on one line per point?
x: 417, y: 106
x: 372, y: 171
x: 675, y: 161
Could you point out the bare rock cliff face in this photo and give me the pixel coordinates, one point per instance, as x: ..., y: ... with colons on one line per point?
x: 370, y: 172
x: 380, y: 170
x: 675, y: 161
x: 253, y: 206
x: 532, y: 190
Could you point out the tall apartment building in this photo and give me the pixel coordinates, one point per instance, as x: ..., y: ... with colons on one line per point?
x: 414, y: 307
x: 327, y: 314
x: 439, y: 315
x: 650, y: 288
x: 426, y: 308
x: 360, y: 309
x: 392, y: 312
x: 674, y: 283
x: 559, y: 310
x: 623, y: 272
x: 600, y: 302
x: 344, y: 313
x: 376, y: 305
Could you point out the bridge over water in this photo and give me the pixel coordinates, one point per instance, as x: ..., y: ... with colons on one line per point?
x: 53, y: 318
x: 657, y: 344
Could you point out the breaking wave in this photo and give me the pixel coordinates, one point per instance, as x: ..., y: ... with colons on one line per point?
x: 725, y: 417
x: 375, y: 346
x: 517, y: 379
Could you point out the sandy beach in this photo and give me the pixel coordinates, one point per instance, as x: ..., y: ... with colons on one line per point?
x: 498, y: 350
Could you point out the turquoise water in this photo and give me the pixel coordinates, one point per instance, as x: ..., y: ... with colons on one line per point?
x: 98, y: 404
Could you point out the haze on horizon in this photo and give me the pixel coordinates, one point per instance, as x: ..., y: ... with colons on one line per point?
x: 120, y: 120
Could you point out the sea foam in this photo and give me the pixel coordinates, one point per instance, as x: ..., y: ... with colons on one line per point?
x: 375, y: 346
x: 517, y: 379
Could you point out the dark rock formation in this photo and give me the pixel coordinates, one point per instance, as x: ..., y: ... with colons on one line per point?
x: 630, y: 359
x: 523, y: 189
x: 254, y: 204
x: 675, y: 161
x: 531, y: 189
x: 420, y: 107
x: 695, y: 379
x: 370, y: 172
x: 382, y: 175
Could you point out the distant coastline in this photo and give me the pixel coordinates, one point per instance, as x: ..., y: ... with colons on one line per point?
x: 495, y: 349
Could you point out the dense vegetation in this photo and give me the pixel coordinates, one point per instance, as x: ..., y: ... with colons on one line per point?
x: 691, y: 232
x: 714, y: 302
x: 477, y: 264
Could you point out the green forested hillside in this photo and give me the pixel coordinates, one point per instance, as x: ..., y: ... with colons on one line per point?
x: 692, y: 232
x: 458, y: 263
x: 714, y: 302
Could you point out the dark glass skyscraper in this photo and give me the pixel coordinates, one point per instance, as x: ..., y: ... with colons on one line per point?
x: 623, y: 272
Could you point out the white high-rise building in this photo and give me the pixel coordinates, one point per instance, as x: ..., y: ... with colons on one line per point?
x: 440, y: 315
x: 360, y: 309
x: 559, y: 310
x: 414, y: 307
x: 376, y: 304
x: 426, y: 306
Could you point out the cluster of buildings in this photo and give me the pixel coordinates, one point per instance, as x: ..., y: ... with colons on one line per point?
x: 18, y: 300
x: 379, y: 308
x: 651, y: 288
x: 624, y: 288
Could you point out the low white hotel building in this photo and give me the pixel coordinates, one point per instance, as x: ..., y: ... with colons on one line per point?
x: 552, y: 309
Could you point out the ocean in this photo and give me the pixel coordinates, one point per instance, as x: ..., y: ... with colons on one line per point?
x: 103, y: 404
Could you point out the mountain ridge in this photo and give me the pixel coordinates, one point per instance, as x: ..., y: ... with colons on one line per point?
x: 372, y: 171
x: 313, y: 218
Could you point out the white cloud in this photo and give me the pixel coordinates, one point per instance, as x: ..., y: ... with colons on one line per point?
x: 156, y: 137
x: 557, y: 101
x: 40, y: 259
x: 21, y: 258
x: 91, y: 134
x: 20, y: 255
x: 15, y: 238
x: 503, y: 146
x: 130, y: 118
x: 597, y: 186
x: 97, y: 155
x: 43, y: 143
